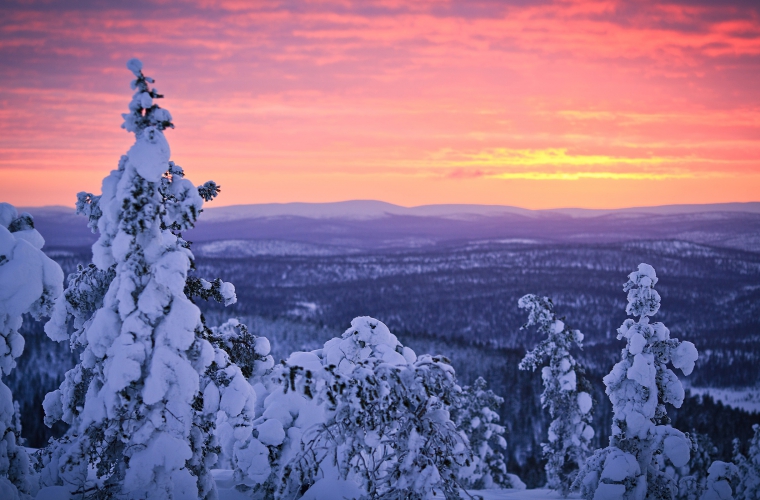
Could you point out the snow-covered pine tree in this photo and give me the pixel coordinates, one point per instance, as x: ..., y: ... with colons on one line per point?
x: 477, y: 418
x: 132, y: 402
x: 639, y: 385
x: 748, y: 467
x: 566, y: 393
x: 30, y: 284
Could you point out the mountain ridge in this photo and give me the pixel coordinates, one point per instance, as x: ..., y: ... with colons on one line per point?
x: 371, y: 225
x: 365, y: 209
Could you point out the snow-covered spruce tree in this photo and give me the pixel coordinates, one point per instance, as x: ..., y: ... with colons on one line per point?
x: 692, y: 478
x: 476, y: 417
x: 720, y: 475
x: 566, y: 393
x: 639, y: 385
x: 748, y: 468
x: 386, y: 427
x: 29, y: 283
x: 132, y: 402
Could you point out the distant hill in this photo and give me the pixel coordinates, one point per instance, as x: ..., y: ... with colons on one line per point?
x: 372, y: 225
x: 372, y: 209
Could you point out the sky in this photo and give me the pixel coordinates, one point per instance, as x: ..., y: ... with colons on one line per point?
x: 537, y: 104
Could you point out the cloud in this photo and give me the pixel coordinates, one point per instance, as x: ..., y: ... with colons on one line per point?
x: 469, y: 91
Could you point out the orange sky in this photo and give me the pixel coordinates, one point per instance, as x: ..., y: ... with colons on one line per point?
x: 535, y: 104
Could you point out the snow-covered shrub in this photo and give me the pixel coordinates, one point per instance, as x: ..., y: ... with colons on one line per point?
x: 228, y: 397
x: 566, y: 393
x: 390, y: 428
x: 363, y: 410
x: 29, y: 282
x: 134, y: 402
x: 476, y: 417
x: 634, y: 464
x: 748, y: 468
x: 289, y: 402
x: 388, y: 424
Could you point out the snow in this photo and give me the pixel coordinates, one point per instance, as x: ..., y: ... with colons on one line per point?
x: 677, y: 449
x: 150, y: 154
x: 164, y: 452
x: 306, y: 360
x: 271, y: 432
x: 620, y: 465
x: 747, y: 399
x: 684, y: 357
x: 7, y: 214
x: 262, y: 346
x: 568, y: 381
x: 520, y: 494
x: 673, y: 391
x: 28, y: 276
x: 607, y: 491
x: 588, y: 433
x: 637, y: 343
x: 720, y: 476
x: 252, y: 459
x: 252, y: 248
x: 584, y: 402
x: 145, y: 100
x: 642, y: 370
x: 333, y: 488
x: 135, y: 66
x: 227, y: 291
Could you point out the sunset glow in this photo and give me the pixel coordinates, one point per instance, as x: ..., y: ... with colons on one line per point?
x: 539, y: 104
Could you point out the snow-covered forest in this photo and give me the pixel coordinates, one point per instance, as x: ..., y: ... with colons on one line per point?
x: 169, y: 396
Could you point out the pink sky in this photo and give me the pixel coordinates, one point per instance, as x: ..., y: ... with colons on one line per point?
x: 535, y: 104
